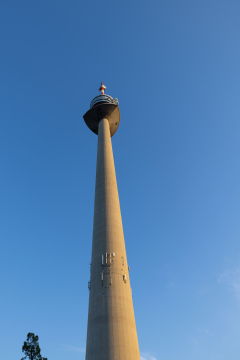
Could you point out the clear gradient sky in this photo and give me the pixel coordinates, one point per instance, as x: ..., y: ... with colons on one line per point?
x: 174, y: 66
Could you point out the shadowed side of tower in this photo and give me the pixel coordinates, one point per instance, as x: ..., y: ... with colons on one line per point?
x: 111, y: 333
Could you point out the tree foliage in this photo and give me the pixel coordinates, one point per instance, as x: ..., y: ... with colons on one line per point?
x: 31, y: 348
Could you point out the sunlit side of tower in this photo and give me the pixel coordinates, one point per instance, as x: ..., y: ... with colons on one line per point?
x: 111, y: 332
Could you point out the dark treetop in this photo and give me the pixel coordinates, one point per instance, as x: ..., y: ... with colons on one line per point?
x: 31, y: 348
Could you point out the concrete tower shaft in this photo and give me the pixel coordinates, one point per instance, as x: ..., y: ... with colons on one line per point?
x: 111, y: 333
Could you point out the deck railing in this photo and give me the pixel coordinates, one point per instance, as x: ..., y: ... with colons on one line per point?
x: 103, y: 98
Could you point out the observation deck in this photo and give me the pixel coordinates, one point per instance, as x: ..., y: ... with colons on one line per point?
x: 103, y: 106
x: 103, y: 99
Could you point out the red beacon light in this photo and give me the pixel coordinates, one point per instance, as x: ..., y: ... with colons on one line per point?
x: 102, y: 88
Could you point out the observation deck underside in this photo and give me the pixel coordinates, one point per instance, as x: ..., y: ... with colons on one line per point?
x: 110, y: 112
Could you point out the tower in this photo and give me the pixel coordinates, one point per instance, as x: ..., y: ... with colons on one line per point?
x: 111, y: 332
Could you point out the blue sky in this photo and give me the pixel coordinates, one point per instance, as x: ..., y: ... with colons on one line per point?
x: 174, y: 66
